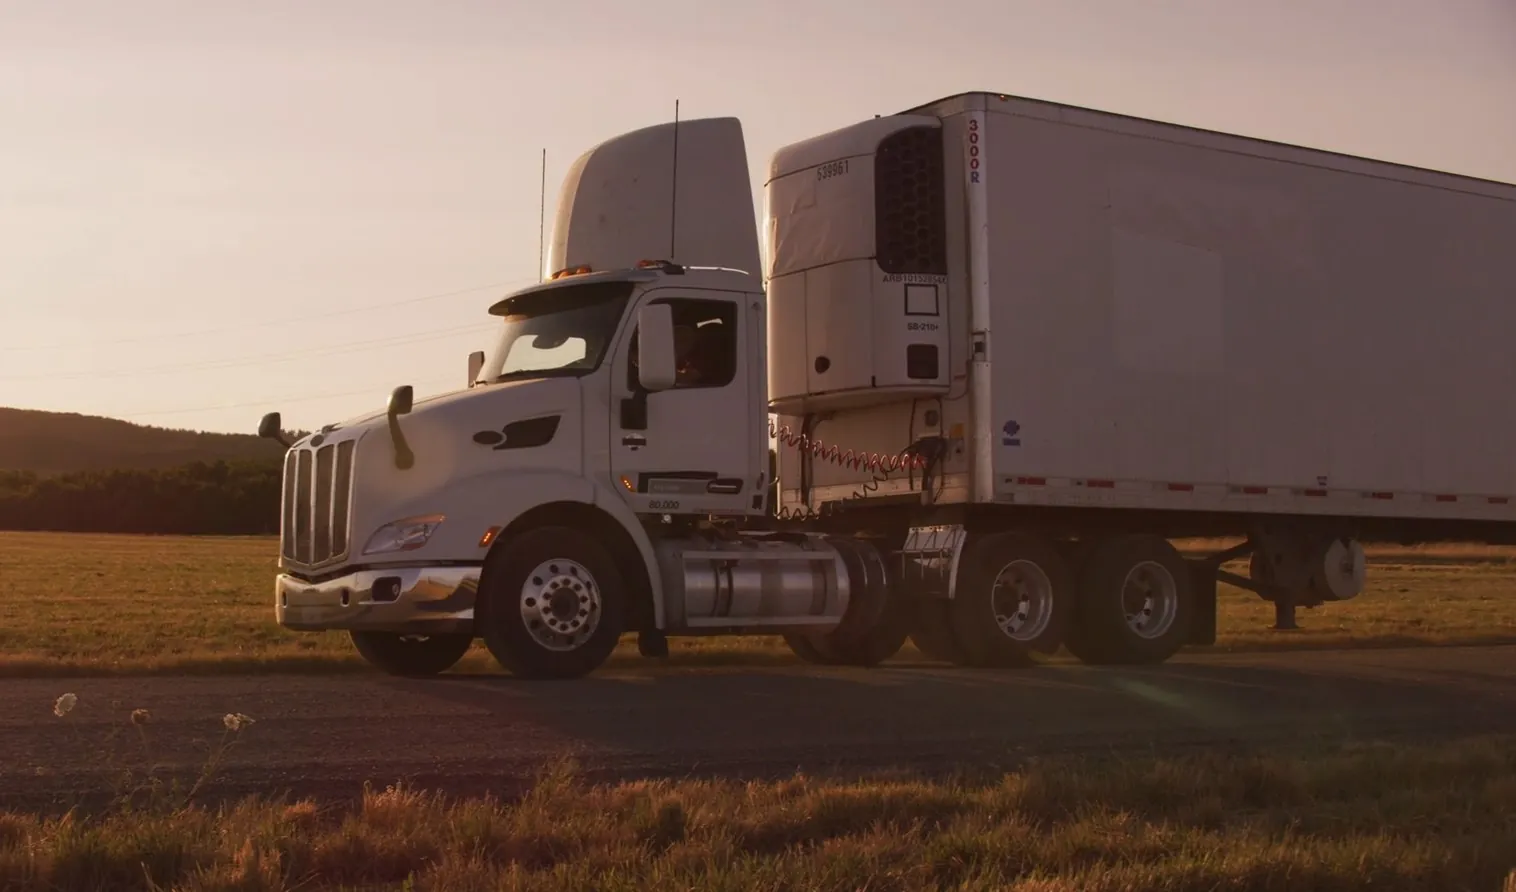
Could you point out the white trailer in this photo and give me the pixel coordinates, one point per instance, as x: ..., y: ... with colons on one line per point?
x: 1006, y: 350
x: 1128, y: 331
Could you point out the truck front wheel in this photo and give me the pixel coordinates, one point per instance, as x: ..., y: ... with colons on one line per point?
x: 411, y: 656
x: 1136, y: 602
x: 553, y: 604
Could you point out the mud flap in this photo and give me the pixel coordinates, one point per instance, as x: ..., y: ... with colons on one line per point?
x: 1204, y: 584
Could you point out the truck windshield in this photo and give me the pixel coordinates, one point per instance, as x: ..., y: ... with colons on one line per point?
x: 557, y: 331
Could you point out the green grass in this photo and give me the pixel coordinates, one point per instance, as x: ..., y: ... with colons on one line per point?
x: 1378, y: 817
x: 77, y: 603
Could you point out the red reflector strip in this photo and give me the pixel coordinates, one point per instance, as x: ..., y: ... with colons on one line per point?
x: 1255, y: 490
x: 1101, y: 484
x: 1316, y: 493
x: 1499, y: 500
x: 1442, y: 498
x: 1381, y: 495
x: 1032, y: 481
x: 1181, y: 487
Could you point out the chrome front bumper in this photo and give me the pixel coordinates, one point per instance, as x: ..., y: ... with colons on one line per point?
x: 397, y: 599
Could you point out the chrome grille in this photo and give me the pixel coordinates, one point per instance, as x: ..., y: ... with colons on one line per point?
x: 317, y: 484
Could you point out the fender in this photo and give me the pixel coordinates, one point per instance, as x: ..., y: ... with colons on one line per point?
x: 477, y: 503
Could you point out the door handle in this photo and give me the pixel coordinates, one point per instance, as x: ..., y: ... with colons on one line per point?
x: 633, y: 440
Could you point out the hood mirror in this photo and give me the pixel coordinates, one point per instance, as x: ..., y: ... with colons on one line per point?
x: 272, y: 428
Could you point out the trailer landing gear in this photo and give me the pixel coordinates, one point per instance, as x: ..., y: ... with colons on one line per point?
x: 1297, y: 567
x: 1284, y: 614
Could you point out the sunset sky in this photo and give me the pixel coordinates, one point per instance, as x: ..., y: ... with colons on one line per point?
x: 212, y: 209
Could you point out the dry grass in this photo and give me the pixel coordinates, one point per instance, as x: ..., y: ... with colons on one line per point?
x: 76, y: 604
x: 1386, y: 818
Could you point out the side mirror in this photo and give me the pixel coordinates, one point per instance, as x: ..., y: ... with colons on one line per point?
x: 400, y: 400
x: 272, y: 428
x: 655, y: 348
x: 400, y: 404
x: 475, y: 363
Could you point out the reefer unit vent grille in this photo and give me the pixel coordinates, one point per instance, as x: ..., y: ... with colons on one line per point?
x: 910, y: 208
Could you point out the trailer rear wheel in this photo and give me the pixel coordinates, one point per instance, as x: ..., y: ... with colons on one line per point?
x: 552, y: 604
x: 1014, y: 598
x: 1136, y: 602
x: 411, y: 656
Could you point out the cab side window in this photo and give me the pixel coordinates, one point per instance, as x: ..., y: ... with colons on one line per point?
x: 705, y: 343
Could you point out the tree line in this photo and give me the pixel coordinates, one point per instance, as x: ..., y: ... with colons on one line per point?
x: 63, y: 443
x: 205, y: 498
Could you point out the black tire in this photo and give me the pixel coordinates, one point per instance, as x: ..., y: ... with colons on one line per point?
x: 887, y: 636
x: 981, y: 612
x: 1101, y: 634
x: 875, y: 624
x: 411, y: 656
x: 589, y: 599
x: 811, y: 648
x: 932, y: 631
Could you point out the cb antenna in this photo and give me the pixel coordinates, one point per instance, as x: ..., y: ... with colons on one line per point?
x: 542, y: 218
x: 674, y: 189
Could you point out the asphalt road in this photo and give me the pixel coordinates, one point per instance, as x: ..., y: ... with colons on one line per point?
x: 326, y: 736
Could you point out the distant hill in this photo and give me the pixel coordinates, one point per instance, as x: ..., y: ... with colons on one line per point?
x: 49, y: 443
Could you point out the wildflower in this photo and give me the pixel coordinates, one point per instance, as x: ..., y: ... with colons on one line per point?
x: 234, y: 721
x: 140, y: 716
x: 65, y: 705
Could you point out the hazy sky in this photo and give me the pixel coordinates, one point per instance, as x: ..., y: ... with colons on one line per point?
x: 210, y: 209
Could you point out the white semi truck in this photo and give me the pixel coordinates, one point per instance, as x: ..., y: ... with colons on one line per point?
x: 1005, y: 351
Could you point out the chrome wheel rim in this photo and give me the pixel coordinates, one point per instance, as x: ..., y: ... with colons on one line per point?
x: 1150, y: 599
x: 560, y: 604
x: 1022, y: 600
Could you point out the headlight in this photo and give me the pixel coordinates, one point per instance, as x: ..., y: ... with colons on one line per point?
x: 403, y: 535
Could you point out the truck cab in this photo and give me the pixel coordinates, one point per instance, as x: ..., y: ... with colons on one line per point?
x: 594, y: 476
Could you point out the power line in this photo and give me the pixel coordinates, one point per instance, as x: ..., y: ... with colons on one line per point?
x: 283, y: 320
x: 267, y: 358
x: 272, y: 402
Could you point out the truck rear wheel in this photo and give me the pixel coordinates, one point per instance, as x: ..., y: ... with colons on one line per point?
x: 552, y: 604
x: 811, y: 648
x: 411, y: 656
x: 1014, y: 598
x: 885, y: 638
x: 876, y: 622
x: 932, y: 630
x: 1136, y: 602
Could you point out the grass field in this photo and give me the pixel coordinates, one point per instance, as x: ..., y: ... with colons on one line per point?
x: 74, y: 603
x: 1385, y: 818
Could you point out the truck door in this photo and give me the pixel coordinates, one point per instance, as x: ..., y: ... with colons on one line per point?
x: 686, y: 450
